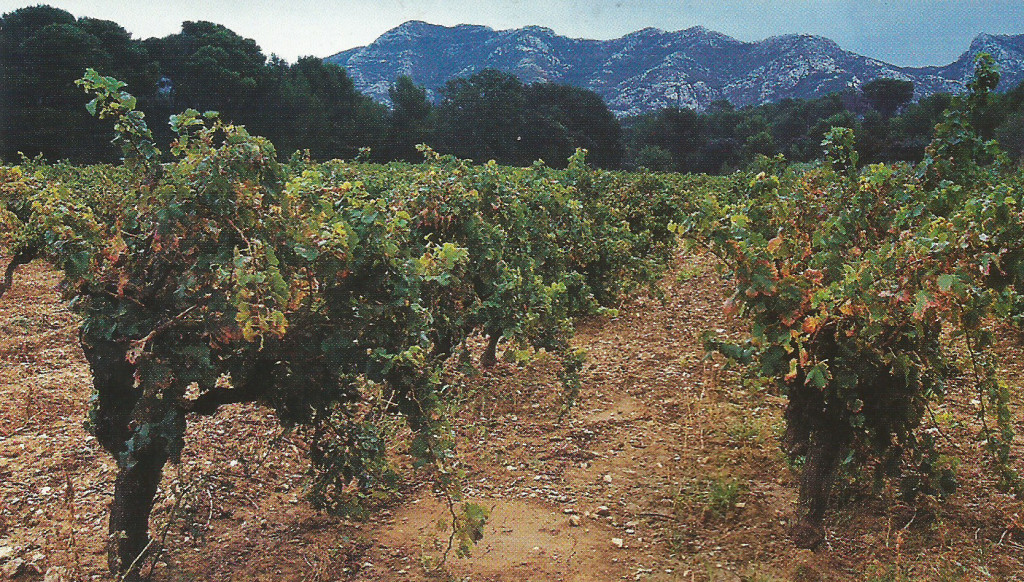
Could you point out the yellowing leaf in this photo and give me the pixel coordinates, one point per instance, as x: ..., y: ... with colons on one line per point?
x: 811, y: 324
x: 792, y: 371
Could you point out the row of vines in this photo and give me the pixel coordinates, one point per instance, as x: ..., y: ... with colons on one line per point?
x: 868, y: 290
x: 224, y: 276
x: 216, y: 274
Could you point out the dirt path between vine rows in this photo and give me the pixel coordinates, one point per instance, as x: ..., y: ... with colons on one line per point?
x: 667, y: 469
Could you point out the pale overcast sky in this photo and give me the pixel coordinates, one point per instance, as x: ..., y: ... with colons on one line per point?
x: 902, y: 32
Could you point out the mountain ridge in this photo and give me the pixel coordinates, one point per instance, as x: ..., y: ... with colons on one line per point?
x: 650, y: 68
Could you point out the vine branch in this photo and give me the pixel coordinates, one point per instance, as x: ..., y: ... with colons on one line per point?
x: 20, y: 258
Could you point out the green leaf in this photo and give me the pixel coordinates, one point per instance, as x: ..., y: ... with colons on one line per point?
x: 306, y: 252
x: 818, y: 376
x: 946, y: 281
x: 922, y: 300
x: 739, y: 220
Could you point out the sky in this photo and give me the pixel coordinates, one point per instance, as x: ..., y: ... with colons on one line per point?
x: 901, y: 32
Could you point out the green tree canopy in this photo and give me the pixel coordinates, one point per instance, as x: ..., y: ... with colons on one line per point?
x: 493, y: 115
x: 411, y: 120
x: 42, y: 51
x: 212, y: 68
x: 482, y: 117
x: 886, y: 96
x: 561, y: 118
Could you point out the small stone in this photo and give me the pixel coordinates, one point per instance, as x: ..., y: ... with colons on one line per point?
x: 55, y: 575
x: 617, y: 542
x: 13, y: 568
x: 607, y: 478
x: 6, y: 552
x: 574, y: 520
x: 603, y: 511
x: 740, y: 505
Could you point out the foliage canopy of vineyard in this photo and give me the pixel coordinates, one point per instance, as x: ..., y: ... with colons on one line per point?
x: 226, y: 276
x: 868, y: 289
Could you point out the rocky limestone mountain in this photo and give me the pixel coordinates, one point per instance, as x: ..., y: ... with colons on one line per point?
x: 651, y: 68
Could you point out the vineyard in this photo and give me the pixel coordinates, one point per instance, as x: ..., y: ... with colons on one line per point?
x: 437, y: 356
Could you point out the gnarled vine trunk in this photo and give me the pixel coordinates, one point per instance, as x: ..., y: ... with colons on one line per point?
x: 112, y: 418
x: 134, y: 492
x: 490, y: 356
x: 817, y: 431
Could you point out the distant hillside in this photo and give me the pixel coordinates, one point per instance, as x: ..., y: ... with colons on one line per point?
x: 651, y: 69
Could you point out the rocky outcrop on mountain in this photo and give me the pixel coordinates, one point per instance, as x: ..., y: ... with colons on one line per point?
x: 651, y: 69
x: 1007, y: 50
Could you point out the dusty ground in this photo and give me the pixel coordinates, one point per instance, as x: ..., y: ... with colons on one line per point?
x: 669, y: 453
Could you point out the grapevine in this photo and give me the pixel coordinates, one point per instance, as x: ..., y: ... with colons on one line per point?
x: 862, y: 286
x: 214, y: 274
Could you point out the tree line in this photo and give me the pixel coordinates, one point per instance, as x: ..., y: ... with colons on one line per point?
x: 888, y: 125
x: 309, y: 105
x: 315, y: 106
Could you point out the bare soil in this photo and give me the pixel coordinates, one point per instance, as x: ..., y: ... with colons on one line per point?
x: 670, y: 463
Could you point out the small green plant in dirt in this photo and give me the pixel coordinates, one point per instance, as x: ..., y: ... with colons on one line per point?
x: 723, y: 495
x: 947, y: 420
x: 745, y: 430
x: 688, y: 272
x: 708, y: 498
